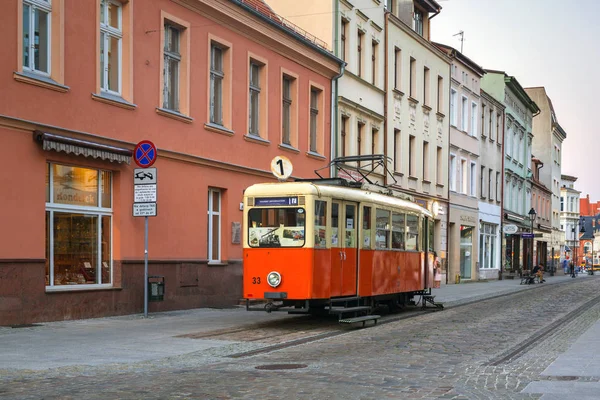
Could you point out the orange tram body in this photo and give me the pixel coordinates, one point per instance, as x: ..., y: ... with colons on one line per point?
x: 310, y: 245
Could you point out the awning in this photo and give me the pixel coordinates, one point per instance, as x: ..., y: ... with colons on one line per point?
x: 79, y: 147
x: 567, y: 248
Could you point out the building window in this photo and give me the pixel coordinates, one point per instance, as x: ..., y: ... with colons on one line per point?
x: 498, y: 190
x: 483, y: 127
x: 440, y: 95
x: 473, y: 119
x: 216, y: 84
x: 426, y: 99
x: 374, y: 48
x: 78, y: 226
x: 498, y: 135
x: 374, y: 141
x: 214, y: 225
x: 172, y: 59
x: 487, y: 246
x: 453, y: 172
x: 418, y: 21
x: 286, y: 110
x: 36, y: 36
x: 464, y: 177
x: 473, y: 179
x: 411, y: 155
x: 254, y: 103
x: 425, y: 161
x: 359, y: 132
x: 453, y: 107
x: 316, y: 120
x: 397, y: 150
x: 482, y: 174
x: 344, y: 129
x: 439, y: 170
x: 111, y: 34
x: 397, y: 68
x: 413, y: 78
x: 490, y: 174
x: 464, y: 116
x: 343, y: 39
x: 491, y: 124
x: 359, y: 52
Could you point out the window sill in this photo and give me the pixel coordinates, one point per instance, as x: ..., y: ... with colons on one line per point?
x: 441, y: 115
x: 40, y: 80
x: 426, y: 181
x: 426, y: 108
x: 113, y: 100
x: 440, y: 185
x: 400, y: 174
x: 412, y: 178
x: 174, y: 114
x: 209, y: 126
x: 79, y: 288
x: 256, y: 139
x: 312, y: 154
x: 398, y: 92
x: 413, y: 100
x: 218, y: 264
x: 288, y: 147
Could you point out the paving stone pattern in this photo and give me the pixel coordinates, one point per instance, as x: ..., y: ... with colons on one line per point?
x: 441, y: 355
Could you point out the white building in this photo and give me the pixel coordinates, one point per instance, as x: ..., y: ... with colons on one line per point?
x: 569, y: 216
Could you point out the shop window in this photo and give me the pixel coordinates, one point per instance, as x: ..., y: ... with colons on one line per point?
x: 78, y: 226
x: 214, y: 225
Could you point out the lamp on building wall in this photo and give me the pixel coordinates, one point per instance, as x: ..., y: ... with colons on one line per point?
x: 532, y: 214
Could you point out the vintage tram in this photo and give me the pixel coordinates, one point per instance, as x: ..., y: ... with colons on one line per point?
x: 337, y: 246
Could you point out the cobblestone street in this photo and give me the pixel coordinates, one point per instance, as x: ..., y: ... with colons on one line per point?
x: 490, y: 349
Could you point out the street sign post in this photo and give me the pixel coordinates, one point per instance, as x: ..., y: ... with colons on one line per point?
x: 144, y: 196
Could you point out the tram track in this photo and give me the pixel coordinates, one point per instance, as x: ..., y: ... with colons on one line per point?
x: 280, y: 334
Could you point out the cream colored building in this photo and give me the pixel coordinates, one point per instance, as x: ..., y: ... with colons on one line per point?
x: 417, y: 103
x: 355, y: 34
x: 464, y: 171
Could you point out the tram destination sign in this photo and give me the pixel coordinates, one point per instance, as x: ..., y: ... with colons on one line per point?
x: 276, y: 201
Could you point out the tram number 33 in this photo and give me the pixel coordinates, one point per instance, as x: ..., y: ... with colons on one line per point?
x: 256, y: 280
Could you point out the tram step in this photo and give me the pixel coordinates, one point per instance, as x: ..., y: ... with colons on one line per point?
x: 344, y: 310
x: 344, y: 299
x: 362, y: 319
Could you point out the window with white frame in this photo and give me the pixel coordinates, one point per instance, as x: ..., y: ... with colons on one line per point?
x: 286, y: 119
x: 172, y: 59
x: 464, y: 119
x: 473, y: 119
x: 216, y: 84
x: 37, y: 36
x: 314, y: 119
x: 254, y: 112
x: 214, y: 225
x: 78, y: 226
x: 487, y: 246
x: 473, y: 179
x: 418, y: 21
x: 464, y: 177
x: 508, y: 146
x: 453, y: 105
x: 490, y: 174
x: 111, y: 35
x: 482, y: 173
x: 453, y: 172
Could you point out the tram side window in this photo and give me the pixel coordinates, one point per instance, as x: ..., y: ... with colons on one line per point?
x: 276, y: 227
x: 431, y: 235
x: 320, y: 223
x: 335, y: 224
x: 382, y: 232
x: 366, y: 231
x: 412, y: 231
x: 398, y: 237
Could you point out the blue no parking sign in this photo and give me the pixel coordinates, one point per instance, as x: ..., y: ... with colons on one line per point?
x: 145, y: 154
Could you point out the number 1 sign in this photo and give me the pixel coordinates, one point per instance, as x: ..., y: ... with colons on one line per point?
x: 281, y: 167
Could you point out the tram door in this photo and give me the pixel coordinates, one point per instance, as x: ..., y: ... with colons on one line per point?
x: 344, y: 246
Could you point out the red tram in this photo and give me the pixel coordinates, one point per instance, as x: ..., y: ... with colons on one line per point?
x: 312, y: 245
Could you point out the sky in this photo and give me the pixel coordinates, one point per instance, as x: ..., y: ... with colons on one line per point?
x: 546, y: 43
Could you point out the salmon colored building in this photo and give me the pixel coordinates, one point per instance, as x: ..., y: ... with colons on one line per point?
x: 221, y: 87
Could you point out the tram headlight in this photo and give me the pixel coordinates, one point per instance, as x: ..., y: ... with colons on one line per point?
x: 274, y: 279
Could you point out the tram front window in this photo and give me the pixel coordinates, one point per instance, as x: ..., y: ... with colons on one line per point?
x: 276, y: 227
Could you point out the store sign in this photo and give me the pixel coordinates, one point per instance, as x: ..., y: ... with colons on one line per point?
x: 276, y: 201
x: 510, y: 229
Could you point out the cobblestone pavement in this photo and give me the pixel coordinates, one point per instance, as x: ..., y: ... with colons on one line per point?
x: 468, y: 352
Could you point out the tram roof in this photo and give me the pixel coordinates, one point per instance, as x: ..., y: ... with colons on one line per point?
x: 334, y: 191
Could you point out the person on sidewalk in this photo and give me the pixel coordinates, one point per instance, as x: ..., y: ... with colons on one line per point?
x: 538, y: 270
x: 437, y: 271
x: 565, y: 265
x: 572, y: 270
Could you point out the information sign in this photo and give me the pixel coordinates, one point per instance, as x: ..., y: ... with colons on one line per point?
x: 144, y: 193
x: 144, y: 209
x: 281, y: 167
x: 144, y: 176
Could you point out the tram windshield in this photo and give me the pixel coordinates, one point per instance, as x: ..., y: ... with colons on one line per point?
x: 276, y: 227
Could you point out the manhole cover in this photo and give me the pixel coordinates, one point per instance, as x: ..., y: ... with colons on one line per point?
x: 271, y: 367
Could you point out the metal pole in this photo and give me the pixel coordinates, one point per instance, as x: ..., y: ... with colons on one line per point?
x: 592, y: 251
x: 145, y: 267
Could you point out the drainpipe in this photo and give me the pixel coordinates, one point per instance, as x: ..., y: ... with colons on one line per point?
x: 334, y: 91
x: 385, y: 88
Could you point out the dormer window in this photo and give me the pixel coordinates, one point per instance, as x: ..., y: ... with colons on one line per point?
x: 418, y: 21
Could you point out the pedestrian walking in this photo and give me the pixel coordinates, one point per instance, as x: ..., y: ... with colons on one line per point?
x: 437, y: 271
x: 565, y: 265
x: 572, y: 269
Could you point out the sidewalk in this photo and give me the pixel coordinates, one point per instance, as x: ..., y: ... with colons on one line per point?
x: 132, y: 338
